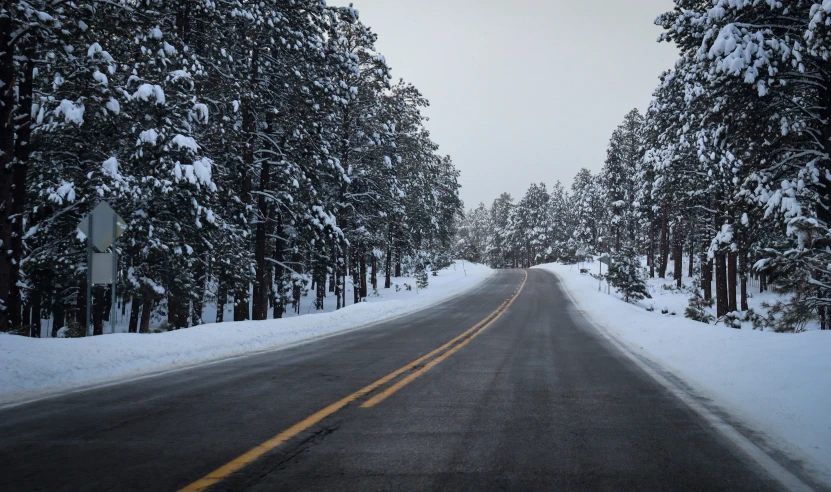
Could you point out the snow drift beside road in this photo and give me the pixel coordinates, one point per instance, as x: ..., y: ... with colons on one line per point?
x: 778, y: 383
x: 30, y: 367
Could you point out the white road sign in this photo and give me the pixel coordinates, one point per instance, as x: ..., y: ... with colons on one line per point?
x: 102, y: 226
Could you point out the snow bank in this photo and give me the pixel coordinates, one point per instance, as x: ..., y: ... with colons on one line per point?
x: 779, y: 384
x: 31, y: 367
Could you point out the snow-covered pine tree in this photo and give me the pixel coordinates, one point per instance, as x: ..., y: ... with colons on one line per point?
x: 500, y: 255
x: 620, y: 169
x: 473, y: 235
x: 363, y: 152
x: 626, y: 275
x: 214, y: 129
x: 586, y: 200
x: 170, y: 207
x: 768, y: 129
x: 559, y: 223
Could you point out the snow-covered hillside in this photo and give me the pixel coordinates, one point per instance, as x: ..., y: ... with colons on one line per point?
x: 35, y: 366
x: 778, y: 383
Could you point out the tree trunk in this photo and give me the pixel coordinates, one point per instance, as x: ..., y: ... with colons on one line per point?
x: 173, y: 309
x: 241, y: 296
x: 295, y: 289
x: 260, y: 308
x: 398, y: 262
x: 731, y: 281
x: 363, y: 272
x: 664, y: 248
x: 721, y: 284
x: 318, y: 287
x: 677, y: 254
x: 707, y: 277
x: 21, y: 161
x: 201, y: 285
x: 146, y: 312
x: 691, y: 266
x: 279, y: 270
x: 338, y: 286
x: 344, y: 274
x: 356, y: 281
x: 108, y: 303
x: 398, y: 258
x: 135, y: 307
x: 27, y: 313
x: 81, y: 305
x: 388, y: 266
x: 744, y: 274
x: 651, y: 243
x: 221, y: 297
x: 58, y: 315
x: 7, y: 147
x: 744, y: 306
x: 36, y: 313
x: 241, y: 306
x: 374, y: 273
x: 184, y: 313
x: 321, y: 285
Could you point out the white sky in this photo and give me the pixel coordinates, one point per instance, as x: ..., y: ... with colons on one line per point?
x: 522, y: 91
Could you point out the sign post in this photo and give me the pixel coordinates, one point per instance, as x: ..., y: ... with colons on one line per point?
x: 102, y: 227
x: 115, y: 273
x: 89, y: 278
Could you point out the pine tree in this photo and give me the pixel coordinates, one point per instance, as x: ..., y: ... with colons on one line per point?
x: 589, y: 209
x: 622, y: 158
x: 626, y: 275
x: 217, y: 130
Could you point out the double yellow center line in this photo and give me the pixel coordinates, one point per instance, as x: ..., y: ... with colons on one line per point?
x: 416, y: 368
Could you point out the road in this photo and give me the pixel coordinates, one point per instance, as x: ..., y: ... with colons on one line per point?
x: 530, y: 399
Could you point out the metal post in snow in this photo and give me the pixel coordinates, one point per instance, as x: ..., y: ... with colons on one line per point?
x: 89, y: 276
x: 115, y: 274
x: 599, y: 275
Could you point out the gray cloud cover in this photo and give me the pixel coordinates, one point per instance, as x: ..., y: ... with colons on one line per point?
x: 523, y: 91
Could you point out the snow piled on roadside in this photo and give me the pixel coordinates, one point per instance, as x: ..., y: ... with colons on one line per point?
x: 778, y: 383
x: 30, y: 367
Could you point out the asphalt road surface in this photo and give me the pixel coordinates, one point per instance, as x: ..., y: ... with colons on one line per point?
x: 534, y: 400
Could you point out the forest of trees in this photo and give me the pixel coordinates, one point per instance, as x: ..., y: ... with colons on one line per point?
x: 245, y: 143
x: 729, y: 167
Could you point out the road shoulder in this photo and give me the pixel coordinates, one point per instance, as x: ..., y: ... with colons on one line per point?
x: 779, y: 455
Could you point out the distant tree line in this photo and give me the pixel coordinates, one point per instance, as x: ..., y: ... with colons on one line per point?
x: 729, y: 166
x: 245, y: 143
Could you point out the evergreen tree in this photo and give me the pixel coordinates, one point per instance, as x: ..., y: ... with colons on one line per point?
x: 626, y: 275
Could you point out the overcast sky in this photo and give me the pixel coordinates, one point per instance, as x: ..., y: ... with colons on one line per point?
x: 522, y: 91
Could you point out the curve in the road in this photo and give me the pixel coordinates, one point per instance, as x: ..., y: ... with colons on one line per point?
x: 538, y: 401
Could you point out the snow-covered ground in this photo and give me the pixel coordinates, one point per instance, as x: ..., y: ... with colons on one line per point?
x: 30, y: 367
x: 778, y: 383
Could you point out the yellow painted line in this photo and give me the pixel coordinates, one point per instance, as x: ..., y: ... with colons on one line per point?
x: 249, y: 457
x: 409, y: 379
